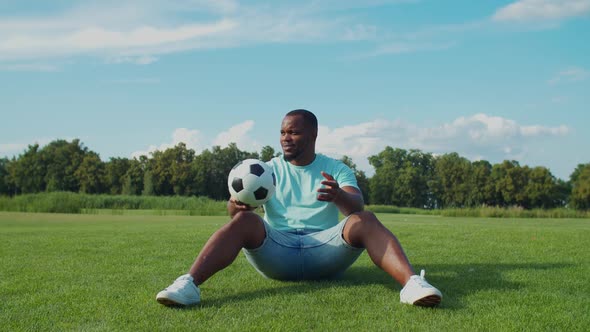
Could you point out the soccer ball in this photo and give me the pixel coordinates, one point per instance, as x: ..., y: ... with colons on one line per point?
x: 251, y: 182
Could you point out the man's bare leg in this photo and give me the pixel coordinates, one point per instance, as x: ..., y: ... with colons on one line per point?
x: 245, y: 230
x: 364, y: 230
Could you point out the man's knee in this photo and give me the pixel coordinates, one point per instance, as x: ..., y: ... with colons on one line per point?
x: 358, y: 226
x: 244, y: 215
x: 248, y: 221
x: 248, y: 226
x: 363, y: 217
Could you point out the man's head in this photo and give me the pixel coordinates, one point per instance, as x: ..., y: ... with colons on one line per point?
x: 299, y: 131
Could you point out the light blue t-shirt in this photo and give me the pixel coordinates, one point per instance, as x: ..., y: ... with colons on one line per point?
x: 294, y: 204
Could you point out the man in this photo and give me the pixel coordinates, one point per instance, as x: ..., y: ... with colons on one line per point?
x: 300, y: 236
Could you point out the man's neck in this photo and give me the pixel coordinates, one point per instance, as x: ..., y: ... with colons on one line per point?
x: 304, y: 160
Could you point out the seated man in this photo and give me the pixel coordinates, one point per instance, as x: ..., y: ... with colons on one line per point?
x: 300, y: 237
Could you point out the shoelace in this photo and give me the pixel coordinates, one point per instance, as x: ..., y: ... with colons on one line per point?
x: 421, y: 280
x: 179, y: 283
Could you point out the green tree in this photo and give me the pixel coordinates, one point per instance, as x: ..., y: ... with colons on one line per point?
x: 201, y: 170
x: 576, y: 173
x: 160, y: 173
x: 5, y: 187
x: 267, y: 153
x: 401, y: 178
x: 562, y: 192
x: 211, y: 169
x: 451, y: 181
x: 171, y: 171
x: 510, y: 180
x: 580, y: 197
x: 134, y: 177
x: 116, y: 168
x: 541, y: 188
x: 387, y: 164
x: 482, y: 188
x: 148, y: 184
x: 182, y: 176
x: 91, y: 174
x: 27, y: 172
x: 62, y: 159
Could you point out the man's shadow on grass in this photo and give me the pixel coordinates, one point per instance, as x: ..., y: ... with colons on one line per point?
x: 456, y: 281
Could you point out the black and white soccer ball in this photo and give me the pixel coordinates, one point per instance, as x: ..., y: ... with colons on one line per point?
x: 251, y: 182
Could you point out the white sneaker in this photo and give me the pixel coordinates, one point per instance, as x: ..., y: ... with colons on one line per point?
x: 182, y: 292
x: 418, y: 291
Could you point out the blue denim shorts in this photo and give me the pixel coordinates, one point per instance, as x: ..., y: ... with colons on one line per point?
x: 303, y: 255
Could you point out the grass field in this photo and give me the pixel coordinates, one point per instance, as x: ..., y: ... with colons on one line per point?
x: 101, y: 272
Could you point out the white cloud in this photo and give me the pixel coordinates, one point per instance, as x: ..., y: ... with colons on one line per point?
x: 238, y: 134
x: 147, y: 80
x: 192, y: 138
x: 139, y: 31
x: 135, y: 44
x: 135, y: 31
x: 138, y: 60
x: 530, y: 131
x: 572, y: 74
x: 527, y: 10
x: 34, y: 67
x: 476, y: 137
x: 195, y: 140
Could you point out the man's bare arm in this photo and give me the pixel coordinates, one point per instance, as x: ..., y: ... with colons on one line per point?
x: 348, y: 199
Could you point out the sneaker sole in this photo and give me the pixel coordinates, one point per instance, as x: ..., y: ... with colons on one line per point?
x: 169, y: 303
x: 428, y: 301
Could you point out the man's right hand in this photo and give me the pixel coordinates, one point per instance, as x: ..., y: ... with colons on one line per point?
x: 234, y: 206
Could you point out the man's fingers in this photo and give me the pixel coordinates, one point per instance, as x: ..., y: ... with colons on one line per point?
x: 327, y: 176
x: 330, y: 183
x: 330, y: 191
x: 240, y: 205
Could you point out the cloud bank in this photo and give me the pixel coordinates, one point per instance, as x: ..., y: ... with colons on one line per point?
x: 139, y: 31
x: 529, y: 10
x: 479, y: 136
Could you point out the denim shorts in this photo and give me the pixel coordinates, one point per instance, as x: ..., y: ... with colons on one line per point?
x: 302, y: 254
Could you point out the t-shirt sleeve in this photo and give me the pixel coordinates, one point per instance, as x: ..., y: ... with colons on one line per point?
x: 345, y: 176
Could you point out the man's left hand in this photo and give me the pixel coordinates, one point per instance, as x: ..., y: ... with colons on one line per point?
x: 331, y: 189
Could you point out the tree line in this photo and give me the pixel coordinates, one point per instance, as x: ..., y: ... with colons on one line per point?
x: 405, y: 178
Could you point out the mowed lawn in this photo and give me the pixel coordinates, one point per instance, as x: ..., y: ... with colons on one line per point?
x: 88, y: 272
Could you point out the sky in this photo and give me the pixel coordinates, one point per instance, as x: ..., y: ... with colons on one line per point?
x: 494, y: 80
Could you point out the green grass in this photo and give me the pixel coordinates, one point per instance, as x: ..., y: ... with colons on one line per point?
x: 77, y: 203
x: 101, y: 272
x: 69, y: 202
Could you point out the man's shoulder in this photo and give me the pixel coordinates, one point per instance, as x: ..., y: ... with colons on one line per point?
x: 274, y: 161
x: 330, y: 161
x: 325, y: 158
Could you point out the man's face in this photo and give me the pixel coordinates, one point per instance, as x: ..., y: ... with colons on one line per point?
x: 296, y: 138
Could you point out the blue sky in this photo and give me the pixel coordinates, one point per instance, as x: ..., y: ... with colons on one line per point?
x: 490, y: 80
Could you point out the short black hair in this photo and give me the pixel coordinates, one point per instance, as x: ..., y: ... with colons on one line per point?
x: 308, y: 117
